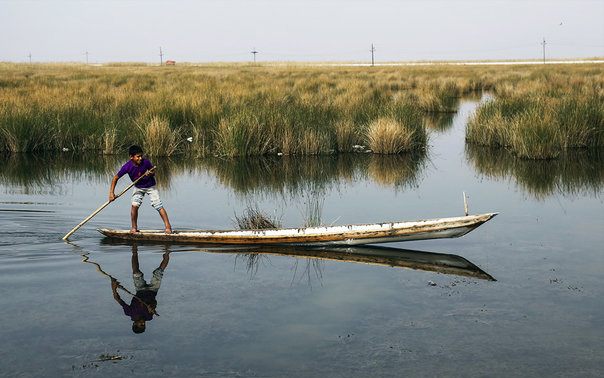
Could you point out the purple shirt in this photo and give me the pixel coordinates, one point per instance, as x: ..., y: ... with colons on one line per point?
x: 137, y: 309
x: 136, y: 171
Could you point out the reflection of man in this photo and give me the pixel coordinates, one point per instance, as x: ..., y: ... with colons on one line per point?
x: 142, y: 307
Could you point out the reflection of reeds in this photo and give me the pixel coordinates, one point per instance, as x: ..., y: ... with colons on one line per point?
x: 40, y: 173
x: 254, y: 219
x: 439, y: 121
x: 576, y: 171
x: 312, y: 174
x: 397, y: 170
x: 269, y: 175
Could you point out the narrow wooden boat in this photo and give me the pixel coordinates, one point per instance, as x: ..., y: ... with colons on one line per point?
x: 319, y: 236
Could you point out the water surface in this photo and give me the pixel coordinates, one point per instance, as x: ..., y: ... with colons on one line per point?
x: 231, y: 312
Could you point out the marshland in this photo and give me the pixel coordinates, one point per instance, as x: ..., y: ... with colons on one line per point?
x: 303, y: 145
x: 249, y: 110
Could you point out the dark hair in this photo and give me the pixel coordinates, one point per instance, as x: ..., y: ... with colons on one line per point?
x: 134, y: 150
x: 138, y: 328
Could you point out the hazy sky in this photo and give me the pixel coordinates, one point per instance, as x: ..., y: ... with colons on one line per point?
x: 311, y: 30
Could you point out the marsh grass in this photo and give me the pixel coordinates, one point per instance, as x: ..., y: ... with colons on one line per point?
x: 158, y: 138
x: 388, y: 136
x: 111, y: 144
x: 240, y: 110
x: 253, y: 218
x: 540, y: 119
x: 227, y: 110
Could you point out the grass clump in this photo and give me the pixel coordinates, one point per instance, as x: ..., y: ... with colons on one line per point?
x: 254, y: 219
x: 403, y: 131
x: 158, y: 138
x: 541, y: 119
x: 387, y: 136
x: 539, y: 128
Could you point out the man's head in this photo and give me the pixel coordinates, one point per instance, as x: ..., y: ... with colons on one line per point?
x: 136, y: 154
x: 138, y: 326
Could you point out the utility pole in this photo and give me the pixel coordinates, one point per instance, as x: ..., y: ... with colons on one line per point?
x: 372, y: 51
x: 254, y: 52
x: 543, y: 43
x: 161, y: 57
x: 86, y: 53
x: 29, y: 56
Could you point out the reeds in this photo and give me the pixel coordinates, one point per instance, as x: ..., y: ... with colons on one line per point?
x: 254, y: 219
x: 540, y: 119
x: 238, y: 110
x: 228, y: 110
x: 388, y: 136
x: 158, y: 138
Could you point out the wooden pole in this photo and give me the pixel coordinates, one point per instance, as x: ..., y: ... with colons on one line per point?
x: 465, y: 204
x: 105, y: 205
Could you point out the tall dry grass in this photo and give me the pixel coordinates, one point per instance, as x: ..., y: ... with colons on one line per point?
x: 541, y: 120
x: 238, y: 110
x: 388, y: 136
x: 158, y: 138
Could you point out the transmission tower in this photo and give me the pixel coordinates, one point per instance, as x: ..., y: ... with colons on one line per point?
x: 254, y: 52
x: 161, y: 57
x: 543, y: 43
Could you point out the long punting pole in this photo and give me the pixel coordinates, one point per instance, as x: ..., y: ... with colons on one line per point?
x: 105, y: 205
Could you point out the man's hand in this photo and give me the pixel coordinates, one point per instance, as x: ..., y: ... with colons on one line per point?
x: 150, y: 172
x: 111, y: 197
x: 114, y: 284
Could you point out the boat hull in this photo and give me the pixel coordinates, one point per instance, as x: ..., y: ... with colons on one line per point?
x: 319, y: 236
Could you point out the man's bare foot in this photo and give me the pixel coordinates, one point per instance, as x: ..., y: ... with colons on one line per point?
x: 168, y: 230
x: 134, y: 230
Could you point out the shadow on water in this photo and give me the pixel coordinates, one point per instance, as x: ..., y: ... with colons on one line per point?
x: 576, y: 172
x: 285, y: 175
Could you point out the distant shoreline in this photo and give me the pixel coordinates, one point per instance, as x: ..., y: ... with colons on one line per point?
x: 595, y: 60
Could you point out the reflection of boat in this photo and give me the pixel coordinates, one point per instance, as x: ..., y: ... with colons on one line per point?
x: 374, y: 255
x: 312, y: 236
x: 394, y: 257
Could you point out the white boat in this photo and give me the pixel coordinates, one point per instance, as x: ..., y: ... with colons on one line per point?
x: 354, y: 234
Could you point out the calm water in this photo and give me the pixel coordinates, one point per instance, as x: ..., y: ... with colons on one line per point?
x: 234, y: 313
